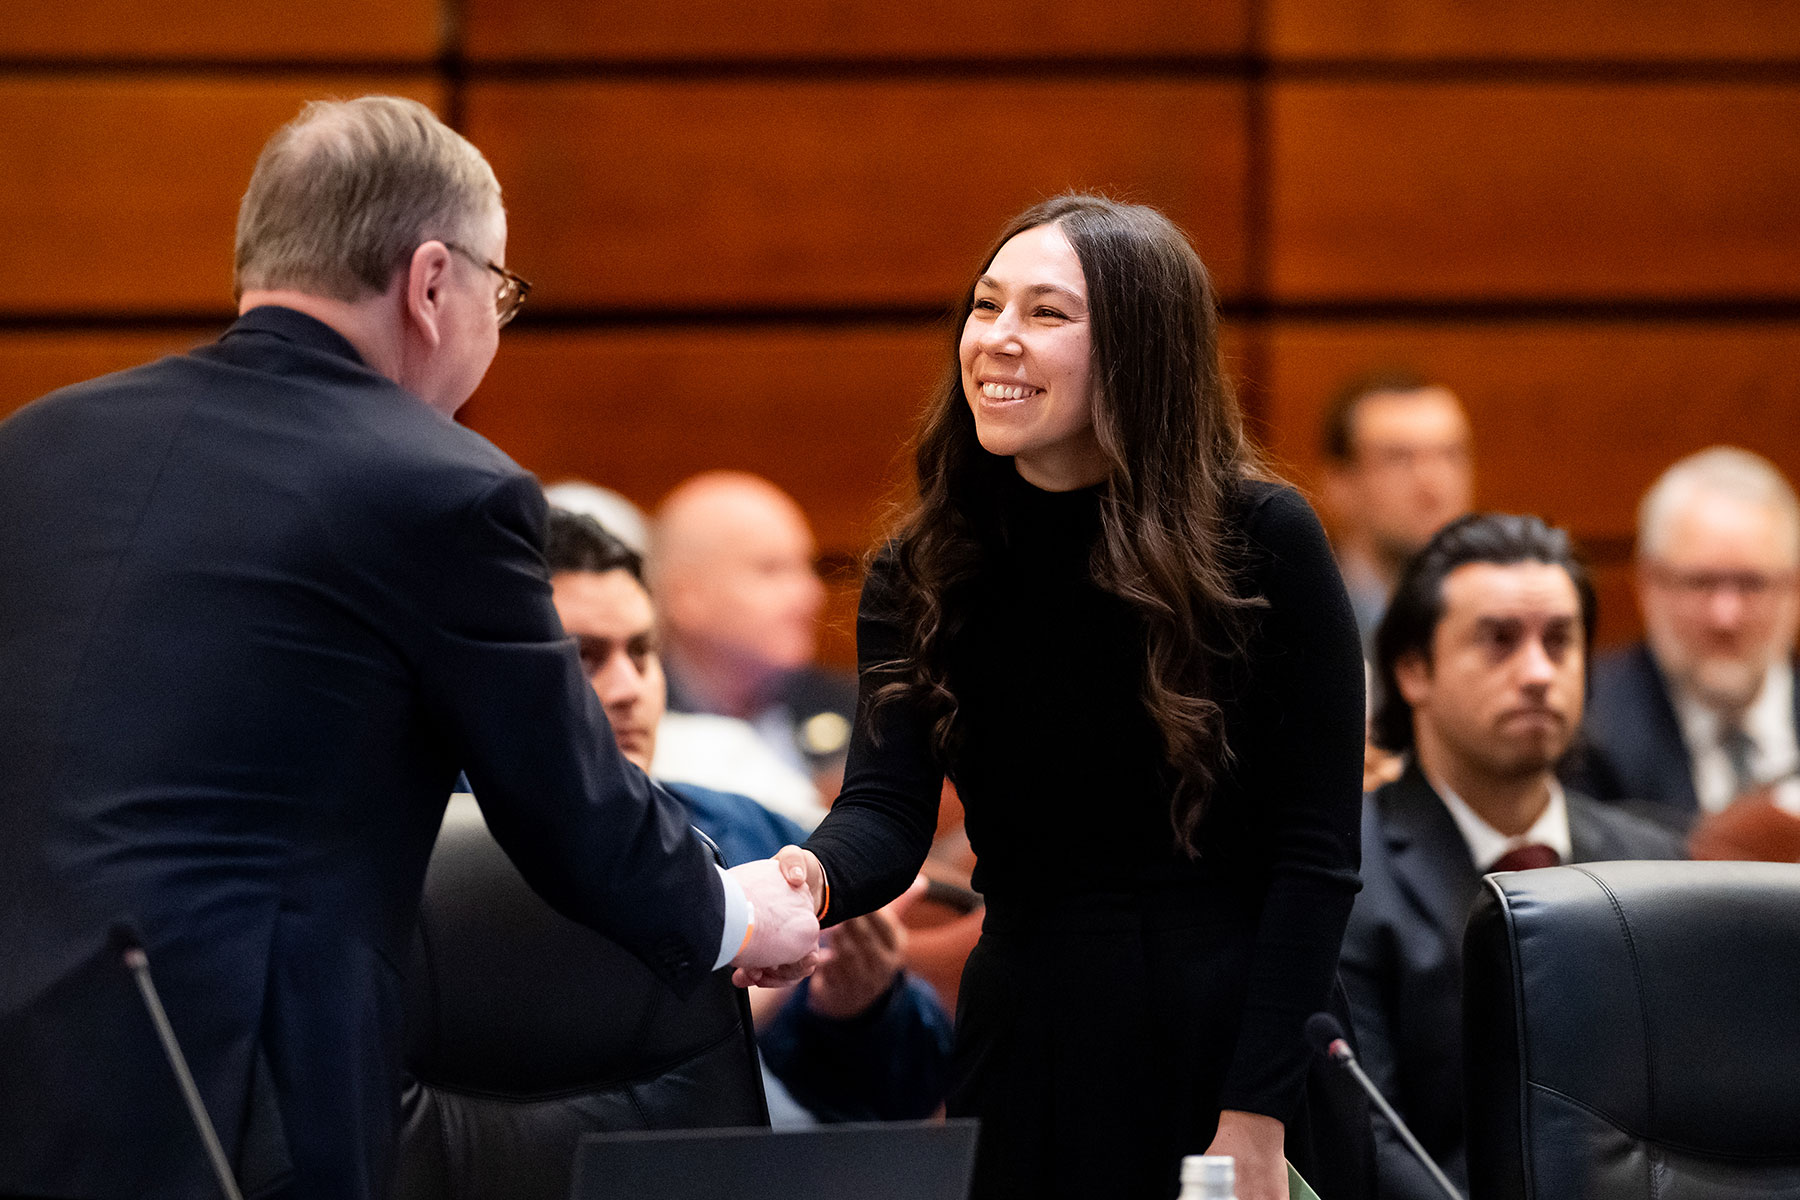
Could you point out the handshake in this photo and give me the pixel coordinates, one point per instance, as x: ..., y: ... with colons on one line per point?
x: 786, y: 894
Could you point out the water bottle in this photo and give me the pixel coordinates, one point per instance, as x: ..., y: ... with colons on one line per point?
x: 1208, y: 1177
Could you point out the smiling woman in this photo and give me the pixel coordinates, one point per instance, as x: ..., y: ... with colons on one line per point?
x: 1027, y: 362
x: 1128, y: 647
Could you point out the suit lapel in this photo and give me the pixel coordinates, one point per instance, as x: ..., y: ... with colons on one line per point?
x: 1430, y: 859
x: 1663, y: 740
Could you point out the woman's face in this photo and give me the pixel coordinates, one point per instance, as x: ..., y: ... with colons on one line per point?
x: 1027, y: 362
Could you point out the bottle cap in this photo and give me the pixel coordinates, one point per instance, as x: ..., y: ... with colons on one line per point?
x: 1214, y: 1169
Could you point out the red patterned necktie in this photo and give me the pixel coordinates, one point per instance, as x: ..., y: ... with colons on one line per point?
x: 1526, y: 858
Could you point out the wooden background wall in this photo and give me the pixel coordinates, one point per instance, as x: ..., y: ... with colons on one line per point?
x: 745, y: 223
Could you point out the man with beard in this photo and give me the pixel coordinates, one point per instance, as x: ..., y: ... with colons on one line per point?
x: 1481, y: 660
x: 1704, y: 709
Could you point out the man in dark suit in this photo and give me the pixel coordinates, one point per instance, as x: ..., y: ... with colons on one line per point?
x: 1705, y: 708
x: 259, y: 604
x: 1480, y: 660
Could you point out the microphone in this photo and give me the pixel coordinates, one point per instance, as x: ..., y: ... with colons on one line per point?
x: 130, y: 947
x: 1327, y: 1037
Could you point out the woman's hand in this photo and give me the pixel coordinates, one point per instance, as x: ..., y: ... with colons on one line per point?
x: 797, y: 865
x: 1258, y: 1144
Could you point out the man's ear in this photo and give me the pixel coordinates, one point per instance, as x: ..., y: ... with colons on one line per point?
x: 1412, y: 672
x: 427, y: 275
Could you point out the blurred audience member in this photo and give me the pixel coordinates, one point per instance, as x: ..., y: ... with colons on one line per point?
x: 700, y: 748
x: 1481, y: 659
x: 862, y: 1039
x: 1398, y: 467
x: 1703, y: 710
x: 616, y: 514
x: 734, y: 572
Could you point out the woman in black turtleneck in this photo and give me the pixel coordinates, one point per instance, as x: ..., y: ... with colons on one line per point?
x: 1129, y: 648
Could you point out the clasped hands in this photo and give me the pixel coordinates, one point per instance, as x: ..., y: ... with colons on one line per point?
x: 786, y: 893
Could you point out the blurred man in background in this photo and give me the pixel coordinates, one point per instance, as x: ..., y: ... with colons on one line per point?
x: 735, y: 577
x: 1398, y: 467
x: 1703, y: 710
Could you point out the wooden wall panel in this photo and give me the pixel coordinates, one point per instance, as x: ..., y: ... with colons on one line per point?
x: 823, y: 413
x: 32, y: 364
x: 936, y: 29
x: 1512, y: 190
x: 747, y: 193
x: 231, y: 30
x: 1572, y: 421
x: 125, y: 188
x: 1746, y: 31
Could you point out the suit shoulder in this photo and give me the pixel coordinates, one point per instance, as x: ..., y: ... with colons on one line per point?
x: 1627, y: 671
x: 1624, y: 834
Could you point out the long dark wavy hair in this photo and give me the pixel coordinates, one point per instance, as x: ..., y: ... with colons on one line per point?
x: 1173, y: 438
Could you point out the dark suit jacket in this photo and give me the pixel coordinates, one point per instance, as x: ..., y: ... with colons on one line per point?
x: 1632, y: 748
x: 257, y: 606
x: 1402, y: 960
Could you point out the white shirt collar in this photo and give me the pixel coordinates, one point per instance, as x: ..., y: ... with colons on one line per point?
x: 1769, y: 721
x: 1487, y: 844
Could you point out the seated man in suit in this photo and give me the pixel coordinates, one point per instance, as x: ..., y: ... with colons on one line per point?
x: 1398, y: 465
x: 862, y: 1039
x: 1481, y: 660
x: 1704, y: 709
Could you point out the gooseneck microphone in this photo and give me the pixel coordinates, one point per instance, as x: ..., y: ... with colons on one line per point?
x: 130, y: 946
x: 1327, y: 1037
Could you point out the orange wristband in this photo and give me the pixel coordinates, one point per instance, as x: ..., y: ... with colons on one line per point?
x: 749, y: 928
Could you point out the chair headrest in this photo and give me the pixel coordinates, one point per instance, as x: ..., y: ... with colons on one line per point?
x: 1663, y: 995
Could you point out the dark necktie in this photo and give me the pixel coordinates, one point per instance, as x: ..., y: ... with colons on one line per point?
x: 1526, y: 858
x: 1740, y: 752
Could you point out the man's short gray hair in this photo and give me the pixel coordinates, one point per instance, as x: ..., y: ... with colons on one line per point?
x: 1718, y: 471
x: 345, y: 192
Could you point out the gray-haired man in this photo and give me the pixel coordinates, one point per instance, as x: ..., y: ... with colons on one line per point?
x: 260, y: 604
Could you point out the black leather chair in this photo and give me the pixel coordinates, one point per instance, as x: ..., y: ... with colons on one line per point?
x: 1633, y: 1031
x: 526, y: 1031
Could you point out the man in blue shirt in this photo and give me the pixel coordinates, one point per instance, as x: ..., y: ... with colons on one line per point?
x: 862, y: 1039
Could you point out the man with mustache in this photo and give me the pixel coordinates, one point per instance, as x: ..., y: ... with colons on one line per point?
x: 1704, y: 709
x: 1481, y: 661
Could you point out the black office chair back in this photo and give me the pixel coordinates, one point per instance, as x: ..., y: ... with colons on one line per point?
x: 1632, y: 1030
x: 526, y: 1030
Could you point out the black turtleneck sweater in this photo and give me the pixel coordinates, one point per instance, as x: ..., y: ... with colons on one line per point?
x: 1060, y: 766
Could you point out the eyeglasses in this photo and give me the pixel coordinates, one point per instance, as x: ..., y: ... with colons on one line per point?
x: 1754, y: 587
x: 513, y: 288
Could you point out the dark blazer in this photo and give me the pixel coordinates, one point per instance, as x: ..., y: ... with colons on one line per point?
x: 258, y: 604
x: 1402, y: 960
x: 1632, y: 748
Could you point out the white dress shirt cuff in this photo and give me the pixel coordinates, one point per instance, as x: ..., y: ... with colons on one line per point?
x: 739, y: 914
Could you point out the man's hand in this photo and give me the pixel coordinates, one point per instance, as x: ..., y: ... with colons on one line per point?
x: 784, y: 935
x: 864, y: 956
x: 1258, y: 1144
